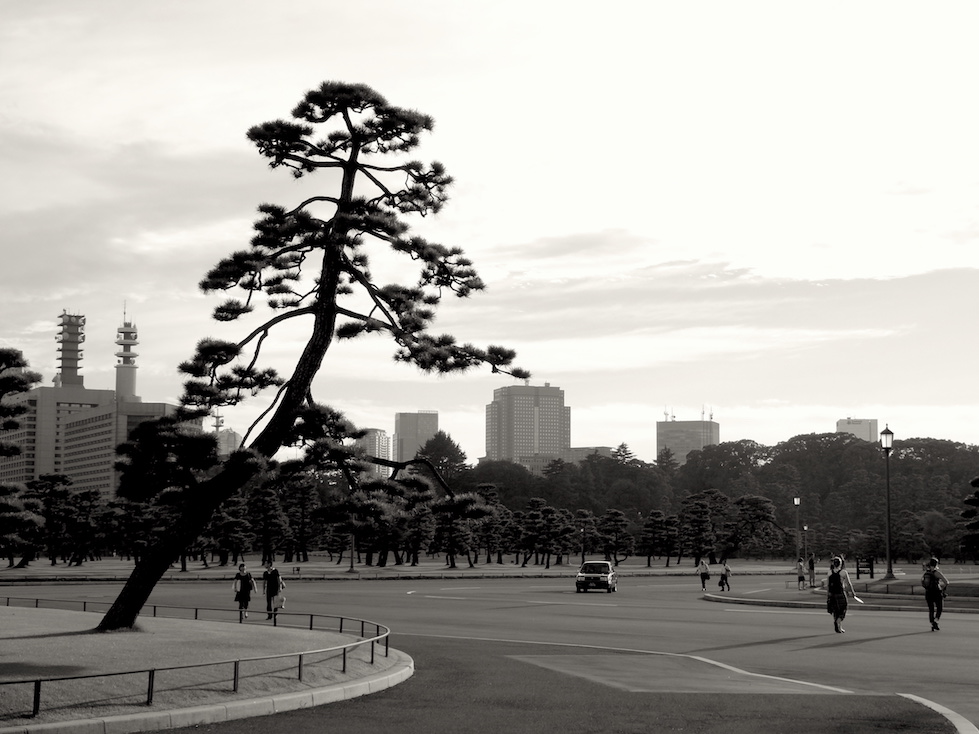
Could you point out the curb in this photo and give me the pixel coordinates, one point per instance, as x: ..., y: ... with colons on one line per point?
x: 403, y: 669
x: 821, y: 605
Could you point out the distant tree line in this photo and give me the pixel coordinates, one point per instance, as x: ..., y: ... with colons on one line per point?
x: 734, y: 499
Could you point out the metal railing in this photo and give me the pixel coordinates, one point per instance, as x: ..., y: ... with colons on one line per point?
x: 381, y: 636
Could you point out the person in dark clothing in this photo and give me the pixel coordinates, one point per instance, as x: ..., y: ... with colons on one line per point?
x: 836, y: 582
x: 243, y: 585
x: 272, y: 585
x: 935, y: 584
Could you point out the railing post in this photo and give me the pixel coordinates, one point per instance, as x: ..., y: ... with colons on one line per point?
x: 372, y: 652
x: 344, y: 660
x: 37, y: 698
x: 237, y: 669
x: 149, y: 688
x: 300, y: 666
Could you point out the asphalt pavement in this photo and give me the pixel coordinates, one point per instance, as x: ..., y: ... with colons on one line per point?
x: 552, y: 703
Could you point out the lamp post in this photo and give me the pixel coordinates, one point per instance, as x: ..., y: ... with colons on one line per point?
x: 887, y: 444
x: 797, y: 501
x: 805, y: 541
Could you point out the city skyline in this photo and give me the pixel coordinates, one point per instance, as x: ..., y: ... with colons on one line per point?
x: 675, y: 208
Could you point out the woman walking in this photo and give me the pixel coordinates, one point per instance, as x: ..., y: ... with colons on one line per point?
x: 243, y: 585
x: 836, y: 583
x: 704, y: 571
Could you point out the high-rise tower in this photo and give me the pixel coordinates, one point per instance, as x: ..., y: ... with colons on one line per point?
x: 74, y: 430
x: 70, y: 340
x: 126, y: 366
x: 525, y: 421
x: 682, y: 437
x: 412, y: 431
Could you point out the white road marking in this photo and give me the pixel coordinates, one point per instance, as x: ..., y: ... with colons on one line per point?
x: 698, y: 658
x: 962, y: 724
x: 770, y: 611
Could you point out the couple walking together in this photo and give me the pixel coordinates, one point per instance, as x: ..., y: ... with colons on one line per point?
x: 272, y: 586
x: 933, y: 581
x: 704, y: 570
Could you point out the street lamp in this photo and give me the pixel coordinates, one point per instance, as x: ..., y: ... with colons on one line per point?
x: 805, y: 541
x: 887, y: 444
x: 797, y: 501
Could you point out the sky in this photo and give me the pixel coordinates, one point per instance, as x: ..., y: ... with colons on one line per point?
x: 764, y: 212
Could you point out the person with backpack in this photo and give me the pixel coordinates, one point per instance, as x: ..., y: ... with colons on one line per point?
x: 725, y: 576
x: 934, y: 583
x: 836, y: 583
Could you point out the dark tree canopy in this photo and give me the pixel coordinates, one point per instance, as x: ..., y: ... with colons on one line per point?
x: 15, y: 378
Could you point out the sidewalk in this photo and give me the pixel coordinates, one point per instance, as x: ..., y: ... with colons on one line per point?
x: 53, y: 643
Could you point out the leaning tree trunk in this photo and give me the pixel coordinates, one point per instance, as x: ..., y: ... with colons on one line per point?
x: 157, y: 559
x: 240, y: 467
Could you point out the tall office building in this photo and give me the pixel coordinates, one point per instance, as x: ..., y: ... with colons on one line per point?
x: 74, y: 430
x: 412, y: 431
x: 376, y: 442
x: 865, y: 428
x: 524, y: 421
x: 682, y: 437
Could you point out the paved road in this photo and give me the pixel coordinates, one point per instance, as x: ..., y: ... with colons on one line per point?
x: 531, y: 655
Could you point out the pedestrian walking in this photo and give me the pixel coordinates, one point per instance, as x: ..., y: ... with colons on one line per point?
x: 800, y: 573
x: 704, y: 571
x: 272, y: 585
x: 836, y: 582
x: 725, y: 576
x: 812, y: 570
x: 243, y: 585
x: 934, y: 583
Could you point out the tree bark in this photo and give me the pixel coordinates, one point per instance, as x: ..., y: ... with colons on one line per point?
x: 157, y: 559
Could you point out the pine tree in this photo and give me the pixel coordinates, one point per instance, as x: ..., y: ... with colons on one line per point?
x: 311, y: 264
x: 15, y: 379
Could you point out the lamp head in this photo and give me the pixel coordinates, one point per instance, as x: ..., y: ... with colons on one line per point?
x: 887, y: 439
